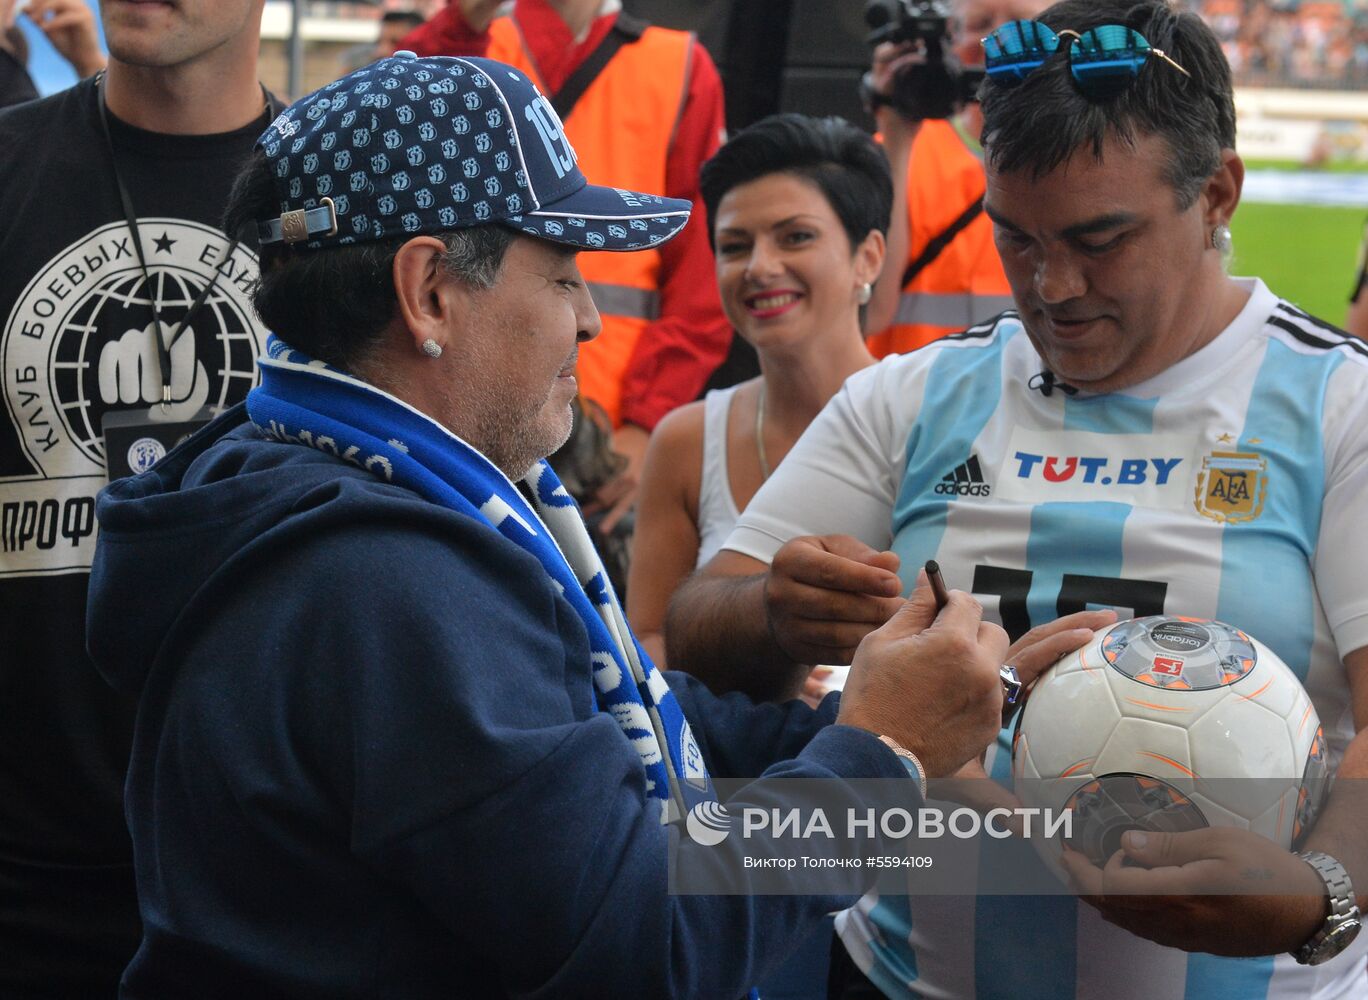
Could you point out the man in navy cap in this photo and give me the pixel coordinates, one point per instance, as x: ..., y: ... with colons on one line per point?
x: 394, y: 736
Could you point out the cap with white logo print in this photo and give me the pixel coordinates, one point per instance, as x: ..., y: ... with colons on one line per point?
x: 408, y: 145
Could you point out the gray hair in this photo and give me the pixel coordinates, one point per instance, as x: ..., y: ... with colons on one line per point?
x: 475, y: 255
x: 335, y: 303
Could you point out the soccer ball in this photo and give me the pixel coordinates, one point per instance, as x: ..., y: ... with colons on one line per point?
x: 1170, y: 724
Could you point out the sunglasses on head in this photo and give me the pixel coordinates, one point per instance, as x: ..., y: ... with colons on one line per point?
x: 1102, y: 59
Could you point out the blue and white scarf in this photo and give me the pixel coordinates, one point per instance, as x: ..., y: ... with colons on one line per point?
x: 303, y: 401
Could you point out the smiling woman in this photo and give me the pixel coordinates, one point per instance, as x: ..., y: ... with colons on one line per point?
x: 798, y: 208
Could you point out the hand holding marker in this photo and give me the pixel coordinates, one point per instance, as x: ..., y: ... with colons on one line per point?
x: 1011, y: 683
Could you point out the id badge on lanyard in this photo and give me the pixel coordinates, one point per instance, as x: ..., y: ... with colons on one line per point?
x: 135, y: 440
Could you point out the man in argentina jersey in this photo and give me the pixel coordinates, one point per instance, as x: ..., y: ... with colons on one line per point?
x: 1145, y: 433
x: 1101, y: 501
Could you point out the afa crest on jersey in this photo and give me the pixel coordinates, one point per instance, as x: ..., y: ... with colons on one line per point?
x: 1232, y: 486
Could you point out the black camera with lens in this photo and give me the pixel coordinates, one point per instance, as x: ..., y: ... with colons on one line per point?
x: 937, y: 87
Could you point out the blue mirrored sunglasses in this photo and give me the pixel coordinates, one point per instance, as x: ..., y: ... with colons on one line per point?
x: 1102, y: 59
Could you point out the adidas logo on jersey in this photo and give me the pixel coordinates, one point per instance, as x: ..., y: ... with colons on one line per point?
x: 965, y: 481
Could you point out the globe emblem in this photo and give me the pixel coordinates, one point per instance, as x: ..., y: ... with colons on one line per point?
x: 224, y: 347
x: 708, y: 823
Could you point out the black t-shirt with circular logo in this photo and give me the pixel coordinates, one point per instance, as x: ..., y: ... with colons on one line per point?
x: 76, y: 344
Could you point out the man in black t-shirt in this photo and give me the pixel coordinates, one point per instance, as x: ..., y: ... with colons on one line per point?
x: 79, y: 313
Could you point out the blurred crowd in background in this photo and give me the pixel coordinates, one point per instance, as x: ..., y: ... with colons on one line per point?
x: 1290, y: 43
x: 1270, y: 43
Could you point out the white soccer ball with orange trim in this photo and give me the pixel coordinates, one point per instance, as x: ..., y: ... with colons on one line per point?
x: 1168, y: 723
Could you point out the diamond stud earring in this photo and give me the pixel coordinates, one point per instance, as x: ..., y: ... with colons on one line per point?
x: 1221, y: 239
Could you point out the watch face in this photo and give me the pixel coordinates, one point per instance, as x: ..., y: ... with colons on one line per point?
x: 1338, y: 938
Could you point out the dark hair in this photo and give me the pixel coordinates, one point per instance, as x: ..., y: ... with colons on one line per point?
x: 335, y: 303
x: 843, y: 162
x: 1039, y: 124
x: 409, y: 17
x: 13, y: 38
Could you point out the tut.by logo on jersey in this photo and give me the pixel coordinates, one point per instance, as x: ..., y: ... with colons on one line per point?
x: 964, y: 480
x: 1145, y: 470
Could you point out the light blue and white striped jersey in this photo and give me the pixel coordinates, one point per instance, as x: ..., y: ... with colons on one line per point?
x: 1231, y: 486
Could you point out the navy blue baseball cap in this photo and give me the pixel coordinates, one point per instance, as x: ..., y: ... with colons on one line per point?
x: 407, y: 146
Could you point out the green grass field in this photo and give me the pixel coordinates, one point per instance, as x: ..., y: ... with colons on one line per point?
x: 1332, y: 166
x: 1304, y: 253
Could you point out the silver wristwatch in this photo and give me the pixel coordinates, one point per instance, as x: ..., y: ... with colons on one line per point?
x: 1343, y: 923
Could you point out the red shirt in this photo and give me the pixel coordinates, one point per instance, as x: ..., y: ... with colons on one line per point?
x: 678, y: 351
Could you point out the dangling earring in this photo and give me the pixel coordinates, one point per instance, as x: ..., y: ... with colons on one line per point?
x: 866, y: 293
x: 1221, y: 239
x: 431, y: 348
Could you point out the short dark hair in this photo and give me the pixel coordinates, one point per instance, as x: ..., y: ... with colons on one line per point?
x: 410, y: 17
x: 1042, y: 122
x: 842, y: 161
x: 16, y: 41
x: 334, y: 303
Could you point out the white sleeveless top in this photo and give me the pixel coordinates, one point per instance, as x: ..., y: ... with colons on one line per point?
x: 717, y: 513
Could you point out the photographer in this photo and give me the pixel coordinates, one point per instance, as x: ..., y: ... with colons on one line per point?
x: 941, y: 273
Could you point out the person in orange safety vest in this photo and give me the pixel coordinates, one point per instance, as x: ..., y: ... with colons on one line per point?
x: 942, y: 273
x: 642, y: 107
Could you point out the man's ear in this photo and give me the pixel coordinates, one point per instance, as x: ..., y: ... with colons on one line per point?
x: 1221, y: 192
x: 428, y: 298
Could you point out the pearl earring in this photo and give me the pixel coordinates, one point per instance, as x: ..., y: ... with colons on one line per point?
x: 431, y: 348
x: 866, y: 293
x: 1221, y: 239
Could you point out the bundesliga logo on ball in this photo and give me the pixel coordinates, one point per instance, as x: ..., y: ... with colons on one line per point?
x: 1170, y: 724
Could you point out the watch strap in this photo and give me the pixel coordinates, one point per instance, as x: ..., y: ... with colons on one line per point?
x: 1342, y: 903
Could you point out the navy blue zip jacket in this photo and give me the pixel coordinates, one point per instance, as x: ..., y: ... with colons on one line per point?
x: 367, y: 763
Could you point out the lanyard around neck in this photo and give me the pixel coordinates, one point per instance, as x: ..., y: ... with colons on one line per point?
x: 164, y: 344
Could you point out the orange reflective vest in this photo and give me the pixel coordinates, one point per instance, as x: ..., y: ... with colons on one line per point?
x: 621, y: 129
x: 965, y: 283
